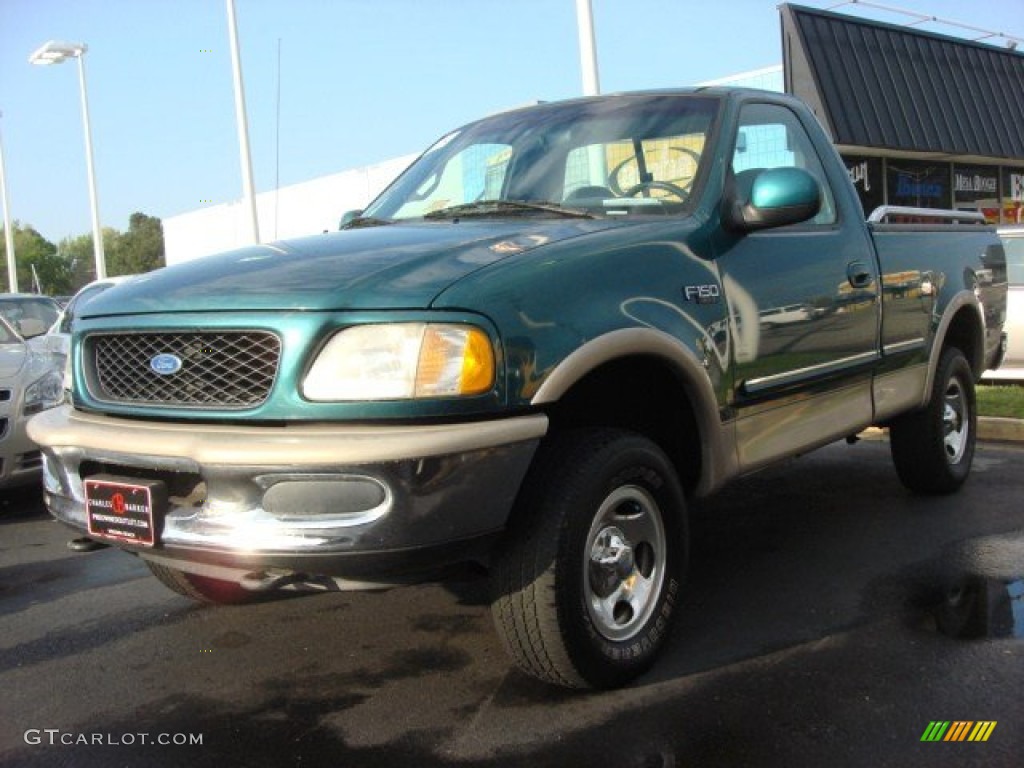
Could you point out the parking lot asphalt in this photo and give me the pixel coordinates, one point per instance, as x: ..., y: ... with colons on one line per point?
x: 816, y: 629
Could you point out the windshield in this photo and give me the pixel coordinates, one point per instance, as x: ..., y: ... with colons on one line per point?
x: 620, y: 156
x: 29, y: 315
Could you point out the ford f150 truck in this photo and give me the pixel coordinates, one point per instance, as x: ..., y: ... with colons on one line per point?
x: 548, y: 337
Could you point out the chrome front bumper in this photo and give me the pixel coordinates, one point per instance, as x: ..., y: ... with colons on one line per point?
x: 320, y: 497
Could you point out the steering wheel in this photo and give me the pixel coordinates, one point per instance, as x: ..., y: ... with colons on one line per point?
x: 681, y: 192
x: 613, y: 176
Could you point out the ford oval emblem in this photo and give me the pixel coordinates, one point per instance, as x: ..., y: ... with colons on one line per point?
x: 165, y: 364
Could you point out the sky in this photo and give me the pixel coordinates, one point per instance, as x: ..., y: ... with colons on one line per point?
x: 361, y: 81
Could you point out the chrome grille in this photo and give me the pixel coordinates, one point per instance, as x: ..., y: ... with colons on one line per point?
x: 226, y: 369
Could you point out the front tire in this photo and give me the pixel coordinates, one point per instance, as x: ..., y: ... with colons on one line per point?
x: 933, y: 448
x: 586, y: 588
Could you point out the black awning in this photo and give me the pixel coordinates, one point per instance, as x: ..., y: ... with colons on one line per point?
x: 882, y: 86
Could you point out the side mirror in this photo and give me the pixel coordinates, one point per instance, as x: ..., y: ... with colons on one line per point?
x: 777, y: 197
x: 348, y: 216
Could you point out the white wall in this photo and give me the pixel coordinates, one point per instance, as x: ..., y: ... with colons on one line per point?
x: 767, y: 78
x: 307, y: 208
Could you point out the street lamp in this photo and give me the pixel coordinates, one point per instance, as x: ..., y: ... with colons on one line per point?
x: 249, y: 189
x: 54, y: 52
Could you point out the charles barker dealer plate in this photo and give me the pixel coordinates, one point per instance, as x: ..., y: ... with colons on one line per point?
x: 124, y: 509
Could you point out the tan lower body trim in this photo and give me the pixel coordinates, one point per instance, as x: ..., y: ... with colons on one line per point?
x: 305, y: 445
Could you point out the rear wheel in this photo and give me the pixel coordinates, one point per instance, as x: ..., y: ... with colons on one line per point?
x: 933, y: 448
x: 203, y: 588
x: 585, y: 590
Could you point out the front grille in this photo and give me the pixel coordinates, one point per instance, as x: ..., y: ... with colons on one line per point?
x: 225, y: 369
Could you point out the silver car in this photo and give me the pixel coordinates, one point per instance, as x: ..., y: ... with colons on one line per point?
x: 58, y: 338
x: 29, y: 383
x: 28, y: 314
x: 1012, y: 368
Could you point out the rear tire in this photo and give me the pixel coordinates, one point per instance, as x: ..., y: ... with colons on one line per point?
x: 203, y: 589
x: 933, y: 448
x: 586, y: 587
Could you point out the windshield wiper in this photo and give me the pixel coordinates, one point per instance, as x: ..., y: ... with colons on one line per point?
x: 365, y: 221
x: 506, y: 208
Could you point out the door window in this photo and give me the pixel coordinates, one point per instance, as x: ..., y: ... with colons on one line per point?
x: 771, y: 136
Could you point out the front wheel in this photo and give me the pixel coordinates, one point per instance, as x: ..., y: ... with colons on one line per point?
x: 933, y: 448
x: 585, y: 589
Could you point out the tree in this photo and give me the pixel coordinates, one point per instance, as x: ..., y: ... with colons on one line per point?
x: 77, y: 252
x: 66, y: 267
x: 80, y: 257
x: 140, y: 249
x: 33, y: 250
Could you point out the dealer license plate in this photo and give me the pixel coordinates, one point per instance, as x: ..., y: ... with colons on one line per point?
x: 124, y: 509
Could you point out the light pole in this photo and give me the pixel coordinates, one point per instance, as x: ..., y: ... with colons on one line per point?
x: 248, y: 187
x: 12, y: 265
x: 588, y: 48
x: 597, y: 161
x: 54, y: 52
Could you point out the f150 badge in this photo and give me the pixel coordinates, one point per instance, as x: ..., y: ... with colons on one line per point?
x: 702, y: 294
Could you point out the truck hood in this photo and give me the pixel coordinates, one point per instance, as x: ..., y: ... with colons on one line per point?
x: 386, y: 267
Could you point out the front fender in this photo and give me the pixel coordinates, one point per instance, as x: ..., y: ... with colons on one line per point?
x: 717, y: 441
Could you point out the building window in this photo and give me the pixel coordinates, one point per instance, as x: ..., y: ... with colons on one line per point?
x: 866, y: 175
x: 1013, y: 196
x: 976, y: 188
x: 918, y: 183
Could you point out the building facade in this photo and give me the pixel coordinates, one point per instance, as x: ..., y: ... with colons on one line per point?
x: 307, y: 208
x: 921, y: 119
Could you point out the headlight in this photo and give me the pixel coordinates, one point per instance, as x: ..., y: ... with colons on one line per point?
x: 401, y: 361
x: 44, y: 393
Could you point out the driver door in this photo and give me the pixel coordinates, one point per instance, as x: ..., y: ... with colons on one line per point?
x: 803, y: 305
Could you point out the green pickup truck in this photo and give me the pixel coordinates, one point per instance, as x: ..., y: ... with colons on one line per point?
x: 554, y: 332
